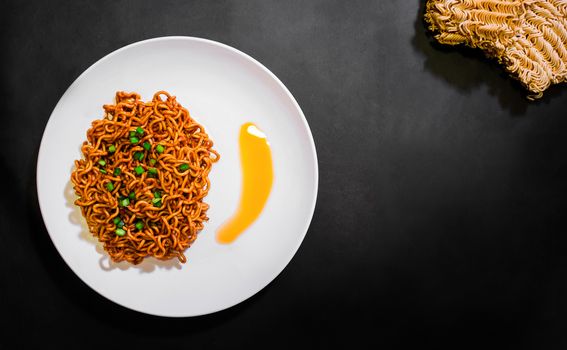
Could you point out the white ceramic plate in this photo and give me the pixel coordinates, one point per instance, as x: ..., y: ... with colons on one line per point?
x: 222, y: 88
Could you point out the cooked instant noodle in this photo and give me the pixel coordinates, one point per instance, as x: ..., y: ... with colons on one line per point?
x: 528, y: 37
x: 143, y: 178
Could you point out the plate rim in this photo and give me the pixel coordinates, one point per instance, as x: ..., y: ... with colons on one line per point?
x: 312, y: 148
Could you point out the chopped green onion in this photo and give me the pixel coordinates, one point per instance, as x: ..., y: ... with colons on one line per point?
x: 157, y: 194
x: 117, y: 171
x: 183, y: 167
x: 134, y: 139
x: 111, y: 149
x: 156, y: 202
x: 120, y: 232
x: 102, y: 162
x: 153, y: 161
x: 116, y: 220
x: 110, y: 186
x: 120, y: 224
x: 152, y: 171
x: 132, y: 196
x: 160, y: 149
x: 147, y: 146
x: 132, y: 133
x: 125, y: 202
x: 139, y: 170
x: 102, y: 171
x: 140, y: 131
x: 139, y: 156
x: 139, y: 225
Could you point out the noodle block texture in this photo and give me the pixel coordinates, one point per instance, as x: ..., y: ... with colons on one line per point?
x: 527, y: 37
x: 143, y: 178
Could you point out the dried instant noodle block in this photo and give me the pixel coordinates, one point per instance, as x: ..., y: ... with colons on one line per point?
x: 529, y: 37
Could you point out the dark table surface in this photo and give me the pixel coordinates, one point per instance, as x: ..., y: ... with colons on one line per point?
x: 438, y: 219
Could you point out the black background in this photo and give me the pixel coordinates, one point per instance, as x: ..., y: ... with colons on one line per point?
x: 438, y: 220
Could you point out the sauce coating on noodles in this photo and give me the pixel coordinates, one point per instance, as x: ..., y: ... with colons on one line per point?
x: 143, y: 178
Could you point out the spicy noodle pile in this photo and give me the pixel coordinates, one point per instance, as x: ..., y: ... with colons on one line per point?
x: 143, y: 178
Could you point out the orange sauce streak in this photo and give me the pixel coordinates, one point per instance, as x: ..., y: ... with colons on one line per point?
x: 257, y: 178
